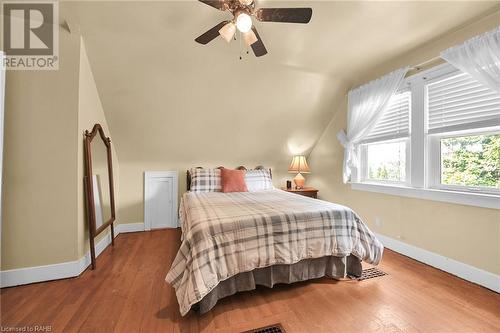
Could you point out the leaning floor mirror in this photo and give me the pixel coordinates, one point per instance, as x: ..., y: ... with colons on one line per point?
x: 99, y: 191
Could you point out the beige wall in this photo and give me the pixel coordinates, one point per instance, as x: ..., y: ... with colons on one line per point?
x: 464, y: 233
x: 172, y: 103
x: 39, y: 219
x: 90, y: 112
x: 277, y: 106
x: 131, y: 209
x: 46, y: 115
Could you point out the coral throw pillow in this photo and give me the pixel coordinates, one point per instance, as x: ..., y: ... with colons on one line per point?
x: 233, y: 181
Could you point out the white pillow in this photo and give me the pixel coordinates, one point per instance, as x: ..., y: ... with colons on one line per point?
x: 258, y: 180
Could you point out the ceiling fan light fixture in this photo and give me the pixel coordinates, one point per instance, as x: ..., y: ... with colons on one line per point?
x: 227, y: 31
x: 244, y: 22
x: 250, y: 37
x: 243, y: 12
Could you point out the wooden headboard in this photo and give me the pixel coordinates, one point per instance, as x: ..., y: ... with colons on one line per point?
x: 241, y: 167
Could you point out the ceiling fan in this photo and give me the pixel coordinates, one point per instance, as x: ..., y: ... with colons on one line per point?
x: 242, y: 11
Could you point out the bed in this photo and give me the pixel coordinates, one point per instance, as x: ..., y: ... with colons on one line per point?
x: 232, y: 242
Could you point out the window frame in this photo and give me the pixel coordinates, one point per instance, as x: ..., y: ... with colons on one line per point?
x: 364, y: 162
x: 434, y: 152
x: 361, y: 175
x: 423, y: 179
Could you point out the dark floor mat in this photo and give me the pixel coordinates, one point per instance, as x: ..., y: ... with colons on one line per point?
x: 371, y: 273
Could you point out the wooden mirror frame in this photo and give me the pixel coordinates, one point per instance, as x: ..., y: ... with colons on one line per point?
x: 89, y: 190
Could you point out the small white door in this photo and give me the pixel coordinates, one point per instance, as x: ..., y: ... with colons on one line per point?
x: 160, y: 206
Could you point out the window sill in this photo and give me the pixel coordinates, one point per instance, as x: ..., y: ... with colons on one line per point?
x: 462, y: 198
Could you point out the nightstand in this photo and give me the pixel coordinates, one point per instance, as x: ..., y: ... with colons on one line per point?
x: 305, y: 191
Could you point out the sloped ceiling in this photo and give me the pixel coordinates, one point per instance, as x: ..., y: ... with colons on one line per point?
x: 167, y: 97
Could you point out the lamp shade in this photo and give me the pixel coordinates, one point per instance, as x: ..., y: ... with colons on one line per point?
x: 227, y: 31
x: 250, y: 37
x: 299, y: 164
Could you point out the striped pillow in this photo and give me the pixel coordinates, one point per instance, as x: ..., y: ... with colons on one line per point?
x: 258, y: 180
x: 205, y: 180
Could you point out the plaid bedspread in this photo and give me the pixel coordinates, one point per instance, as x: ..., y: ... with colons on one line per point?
x: 228, y: 233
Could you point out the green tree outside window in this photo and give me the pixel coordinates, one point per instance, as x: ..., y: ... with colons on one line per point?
x: 471, y: 161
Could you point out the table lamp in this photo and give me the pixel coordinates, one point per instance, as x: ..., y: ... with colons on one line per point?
x: 299, y: 165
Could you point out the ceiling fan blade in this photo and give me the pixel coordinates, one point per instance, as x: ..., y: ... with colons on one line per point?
x: 210, y: 34
x: 217, y: 4
x: 258, y: 47
x: 289, y: 15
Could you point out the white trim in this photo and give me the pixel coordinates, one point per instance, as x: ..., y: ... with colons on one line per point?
x: 85, y: 261
x: 15, y: 277
x: 150, y: 175
x: 456, y: 197
x: 457, y: 268
x: 416, y: 149
x: 131, y: 227
x: 20, y: 276
x: 2, y: 102
x: 69, y: 269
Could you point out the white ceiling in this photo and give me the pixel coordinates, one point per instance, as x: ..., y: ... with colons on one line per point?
x: 167, y: 97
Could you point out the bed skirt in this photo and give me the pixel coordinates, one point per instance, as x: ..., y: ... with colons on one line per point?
x: 333, y: 267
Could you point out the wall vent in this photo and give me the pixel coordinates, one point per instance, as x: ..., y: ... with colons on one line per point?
x: 275, y: 328
x: 371, y: 273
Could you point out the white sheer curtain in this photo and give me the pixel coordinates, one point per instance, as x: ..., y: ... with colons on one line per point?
x: 366, y: 105
x: 479, y: 57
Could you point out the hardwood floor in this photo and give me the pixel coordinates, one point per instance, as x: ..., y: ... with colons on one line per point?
x: 127, y: 293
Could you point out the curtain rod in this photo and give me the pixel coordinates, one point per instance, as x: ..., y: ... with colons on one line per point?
x: 421, y: 65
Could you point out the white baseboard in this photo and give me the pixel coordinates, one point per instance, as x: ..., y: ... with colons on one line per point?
x: 15, y: 277
x: 20, y: 276
x: 457, y: 268
x: 130, y: 227
x: 85, y: 261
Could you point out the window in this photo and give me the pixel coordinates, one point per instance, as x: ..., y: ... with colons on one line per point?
x: 438, y: 139
x: 471, y: 161
x: 463, y: 138
x: 386, y: 161
x: 384, y: 150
